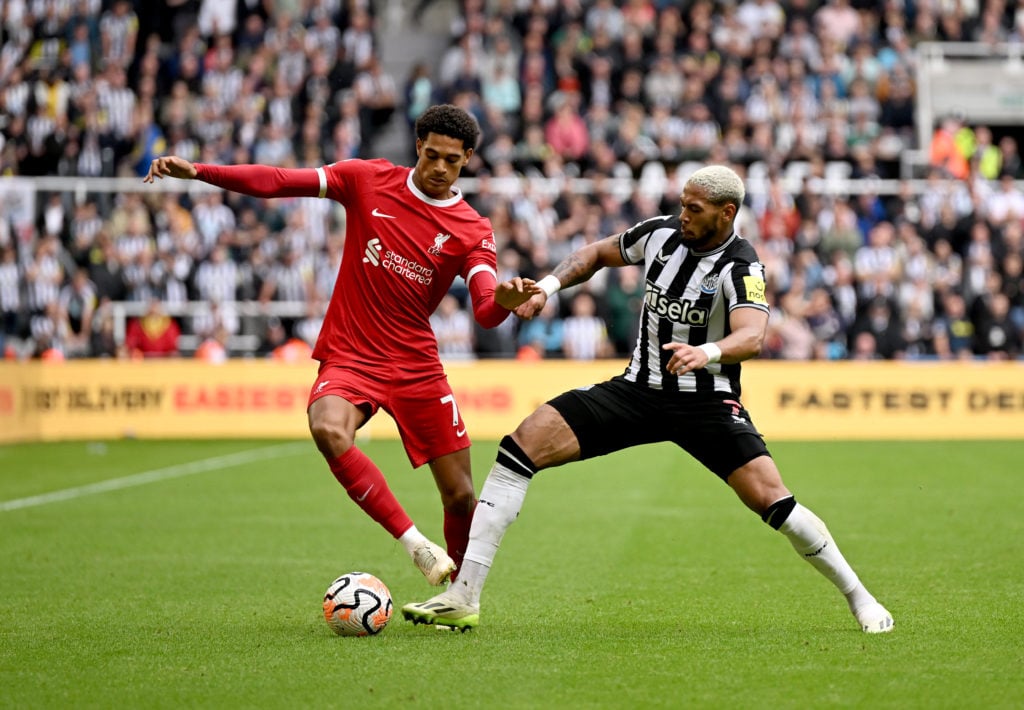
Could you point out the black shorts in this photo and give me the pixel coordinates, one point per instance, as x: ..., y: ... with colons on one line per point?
x: 713, y: 427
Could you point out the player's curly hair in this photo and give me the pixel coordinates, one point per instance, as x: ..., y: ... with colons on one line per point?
x: 451, y: 121
x: 722, y: 185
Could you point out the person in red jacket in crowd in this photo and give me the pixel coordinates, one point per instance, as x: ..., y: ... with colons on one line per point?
x: 155, y: 334
x: 410, y: 233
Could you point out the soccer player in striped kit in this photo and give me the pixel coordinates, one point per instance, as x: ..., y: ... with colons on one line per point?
x: 409, y: 234
x: 705, y: 312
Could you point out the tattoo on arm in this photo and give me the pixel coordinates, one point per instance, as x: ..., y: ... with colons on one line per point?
x: 584, y: 263
x: 574, y: 271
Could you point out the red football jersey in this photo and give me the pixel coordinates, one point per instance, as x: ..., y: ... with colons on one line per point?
x: 403, y: 249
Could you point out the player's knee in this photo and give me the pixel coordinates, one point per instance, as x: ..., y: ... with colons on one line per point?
x: 758, y: 484
x: 330, y: 436
x: 460, y: 501
x: 545, y: 439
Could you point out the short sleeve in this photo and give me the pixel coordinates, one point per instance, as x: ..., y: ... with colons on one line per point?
x: 345, y: 177
x: 746, y: 286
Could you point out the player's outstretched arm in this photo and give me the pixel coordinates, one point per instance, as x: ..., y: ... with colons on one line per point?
x: 254, y: 180
x: 170, y: 166
x: 587, y: 261
x: 574, y: 269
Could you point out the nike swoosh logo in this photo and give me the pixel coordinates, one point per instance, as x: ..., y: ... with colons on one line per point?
x: 363, y: 497
x: 460, y: 433
x: 377, y: 213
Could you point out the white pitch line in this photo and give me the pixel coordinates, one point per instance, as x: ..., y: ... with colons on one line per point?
x: 159, y: 474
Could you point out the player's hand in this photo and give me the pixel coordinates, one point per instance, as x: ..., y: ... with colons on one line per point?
x: 686, y: 358
x: 533, y: 306
x: 170, y: 166
x: 513, y: 293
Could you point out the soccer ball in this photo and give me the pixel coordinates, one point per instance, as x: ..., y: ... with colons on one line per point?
x: 357, y: 604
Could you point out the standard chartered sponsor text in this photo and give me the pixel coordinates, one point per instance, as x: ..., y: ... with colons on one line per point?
x: 412, y: 270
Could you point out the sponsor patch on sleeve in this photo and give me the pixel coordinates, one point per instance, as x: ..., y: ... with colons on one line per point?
x: 754, y: 286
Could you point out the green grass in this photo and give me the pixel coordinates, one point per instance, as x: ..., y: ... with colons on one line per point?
x: 634, y: 581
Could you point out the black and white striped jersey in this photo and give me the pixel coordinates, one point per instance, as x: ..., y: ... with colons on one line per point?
x: 688, y: 297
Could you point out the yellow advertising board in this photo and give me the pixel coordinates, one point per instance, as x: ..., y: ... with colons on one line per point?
x: 885, y: 400
x: 788, y: 400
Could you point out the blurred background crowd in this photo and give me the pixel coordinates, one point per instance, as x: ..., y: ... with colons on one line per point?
x: 604, y: 90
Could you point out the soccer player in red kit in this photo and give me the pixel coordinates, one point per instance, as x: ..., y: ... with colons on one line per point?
x: 409, y: 234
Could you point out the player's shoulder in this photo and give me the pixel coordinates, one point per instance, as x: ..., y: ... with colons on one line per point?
x: 466, y: 213
x: 358, y: 166
x: 647, y: 227
x: 740, y: 250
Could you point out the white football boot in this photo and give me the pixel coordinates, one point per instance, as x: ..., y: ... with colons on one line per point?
x: 874, y: 618
x: 434, y: 562
x: 443, y: 610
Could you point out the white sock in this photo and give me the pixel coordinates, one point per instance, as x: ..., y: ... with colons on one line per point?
x: 501, y: 498
x: 411, y: 539
x: 811, y: 539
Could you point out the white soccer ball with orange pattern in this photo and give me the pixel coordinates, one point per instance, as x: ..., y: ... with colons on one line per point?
x: 357, y: 604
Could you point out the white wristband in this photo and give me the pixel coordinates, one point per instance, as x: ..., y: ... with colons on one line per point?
x: 713, y: 352
x: 549, y: 285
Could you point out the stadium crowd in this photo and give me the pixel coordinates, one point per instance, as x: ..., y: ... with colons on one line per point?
x: 598, y: 89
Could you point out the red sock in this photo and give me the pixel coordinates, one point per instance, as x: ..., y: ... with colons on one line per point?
x: 456, y: 536
x: 365, y: 484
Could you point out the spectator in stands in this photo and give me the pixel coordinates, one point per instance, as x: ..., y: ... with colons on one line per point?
x: 153, y: 335
x: 288, y: 280
x: 214, y: 349
x: 1012, y: 271
x: 986, y: 160
x: 103, y: 341
x: 11, y: 310
x: 217, y: 279
x: 45, y: 274
x: 877, y: 265
x: 272, y: 334
x: 294, y: 351
x: 377, y: 94
x: 77, y: 305
x: 1006, y: 203
x: 584, y: 333
x: 996, y: 335
x: 825, y: 325
x: 884, y: 326
x: 864, y: 346
x: 119, y: 30
x: 625, y: 301
x: 1009, y: 157
x: 945, y: 154
x: 545, y: 334
x: 954, y: 331
x: 418, y: 92
x: 979, y: 260
x: 453, y: 328
x: 788, y: 335
x: 219, y: 317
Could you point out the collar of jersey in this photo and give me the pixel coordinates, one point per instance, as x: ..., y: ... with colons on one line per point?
x: 719, y: 248
x: 430, y: 200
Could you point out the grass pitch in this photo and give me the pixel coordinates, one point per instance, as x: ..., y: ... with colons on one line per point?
x: 636, y: 580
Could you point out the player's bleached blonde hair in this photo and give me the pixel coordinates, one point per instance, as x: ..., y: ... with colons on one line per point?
x: 722, y: 185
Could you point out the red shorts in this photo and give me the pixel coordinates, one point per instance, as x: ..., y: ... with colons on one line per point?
x: 424, y: 408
